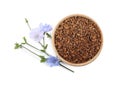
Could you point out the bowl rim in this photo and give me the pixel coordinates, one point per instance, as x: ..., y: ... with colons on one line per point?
x: 67, y: 62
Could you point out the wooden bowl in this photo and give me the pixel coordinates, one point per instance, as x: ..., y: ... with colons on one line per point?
x: 77, y: 40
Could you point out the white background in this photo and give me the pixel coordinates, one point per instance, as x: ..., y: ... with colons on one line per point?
x: 19, y: 67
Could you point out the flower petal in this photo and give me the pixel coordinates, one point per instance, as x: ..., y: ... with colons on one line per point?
x: 45, y: 27
x: 36, y: 34
x: 52, y: 61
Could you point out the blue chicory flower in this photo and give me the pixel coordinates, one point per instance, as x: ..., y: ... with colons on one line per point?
x: 53, y: 61
x: 45, y: 27
x: 36, y: 34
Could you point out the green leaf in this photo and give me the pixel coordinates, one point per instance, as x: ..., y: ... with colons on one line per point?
x: 46, y: 46
x: 48, y: 35
x: 25, y: 40
x: 43, y: 59
x: 22, y: 43
x: 26, y: 20
x: 17, y: 46
x: 42, y: 50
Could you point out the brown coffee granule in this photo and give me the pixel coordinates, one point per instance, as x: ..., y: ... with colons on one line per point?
x: 77, y: 39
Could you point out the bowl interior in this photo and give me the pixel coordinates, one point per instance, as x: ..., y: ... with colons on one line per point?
x: 64, y: 35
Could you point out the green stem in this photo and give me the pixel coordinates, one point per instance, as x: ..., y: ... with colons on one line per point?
x: 32, y: 46
x: 29, y: 26
x: 66, y: 68
x: 46, y: 53
x: 41, y: 44
x: 43, y: 41
x: 32, y: 52
x: 27, y: 23
x: 37, y: 49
